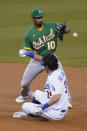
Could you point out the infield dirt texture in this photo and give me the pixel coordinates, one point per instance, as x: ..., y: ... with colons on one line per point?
x: 72, y: 52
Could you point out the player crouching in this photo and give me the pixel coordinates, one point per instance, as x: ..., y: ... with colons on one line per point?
x: 53, y: 103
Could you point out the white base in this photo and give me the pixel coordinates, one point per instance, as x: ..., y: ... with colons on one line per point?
x: 20, y: 114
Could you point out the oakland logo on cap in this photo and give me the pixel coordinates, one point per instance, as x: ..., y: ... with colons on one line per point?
x: 40, y: 11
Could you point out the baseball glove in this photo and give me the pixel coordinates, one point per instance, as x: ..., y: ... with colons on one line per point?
x: 60, y: 30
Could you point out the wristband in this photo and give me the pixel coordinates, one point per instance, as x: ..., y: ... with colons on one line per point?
x: 30, y: 54
x: 46, y: 105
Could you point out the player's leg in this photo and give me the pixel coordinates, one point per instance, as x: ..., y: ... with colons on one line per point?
x: 40, y: 97
x: 32, y: 108
x: 28, y: 110
x: 32, y: 70
x: 50, y: 114
x: 35, y: 109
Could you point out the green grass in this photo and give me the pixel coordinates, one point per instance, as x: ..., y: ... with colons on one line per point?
x: 15, y: 20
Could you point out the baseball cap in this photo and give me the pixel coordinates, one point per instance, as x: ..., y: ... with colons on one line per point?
x: 37, y: 12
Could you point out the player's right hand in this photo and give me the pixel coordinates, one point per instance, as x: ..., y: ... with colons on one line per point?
x: 24, y: 53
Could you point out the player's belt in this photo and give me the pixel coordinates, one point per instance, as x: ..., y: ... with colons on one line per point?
x: 63, y: 110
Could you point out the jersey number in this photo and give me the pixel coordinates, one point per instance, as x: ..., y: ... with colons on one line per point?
x: 51, y: 45
x: 49, y: 94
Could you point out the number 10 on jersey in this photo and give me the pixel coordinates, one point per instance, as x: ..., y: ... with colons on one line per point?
x: 51, y: 45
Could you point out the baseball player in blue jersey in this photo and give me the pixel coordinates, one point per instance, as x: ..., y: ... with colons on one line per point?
x: 53, y: 103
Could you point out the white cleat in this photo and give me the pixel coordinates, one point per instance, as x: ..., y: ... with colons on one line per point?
x: 20, y: 114
x: 70, y: 106
x: 20, y: 99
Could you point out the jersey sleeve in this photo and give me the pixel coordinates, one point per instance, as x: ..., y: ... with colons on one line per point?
x: 27, y: 42
x: 56, y: 87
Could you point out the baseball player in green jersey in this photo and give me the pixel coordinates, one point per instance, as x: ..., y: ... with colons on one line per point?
x: 41, y: 39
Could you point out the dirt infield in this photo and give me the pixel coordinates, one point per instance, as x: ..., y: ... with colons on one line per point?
x: 10, y: 77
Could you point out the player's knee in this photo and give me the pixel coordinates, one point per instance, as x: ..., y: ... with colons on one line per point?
x: 24, y: 107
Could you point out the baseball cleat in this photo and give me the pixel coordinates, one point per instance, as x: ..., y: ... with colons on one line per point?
x: 70, y: 106
x: 22, y: 115
x: 20, y: 99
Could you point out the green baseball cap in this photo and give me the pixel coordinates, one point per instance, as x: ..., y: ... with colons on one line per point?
x: 37, y: 12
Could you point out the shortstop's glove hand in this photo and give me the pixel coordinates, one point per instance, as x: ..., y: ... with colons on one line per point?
x: 60, y: 30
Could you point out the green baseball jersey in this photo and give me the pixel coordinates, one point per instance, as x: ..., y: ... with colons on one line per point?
x: 44, y: 41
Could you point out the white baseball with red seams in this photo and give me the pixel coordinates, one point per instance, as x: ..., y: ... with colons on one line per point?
x: 75, y: 34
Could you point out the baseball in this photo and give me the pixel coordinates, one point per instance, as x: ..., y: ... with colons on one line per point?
x: 75, y: 34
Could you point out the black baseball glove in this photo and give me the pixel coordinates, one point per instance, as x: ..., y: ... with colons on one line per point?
x: 60, y: 30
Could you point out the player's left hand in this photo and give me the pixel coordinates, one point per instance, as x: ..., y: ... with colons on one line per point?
x: 67, y: 30
x: 60, y: 30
